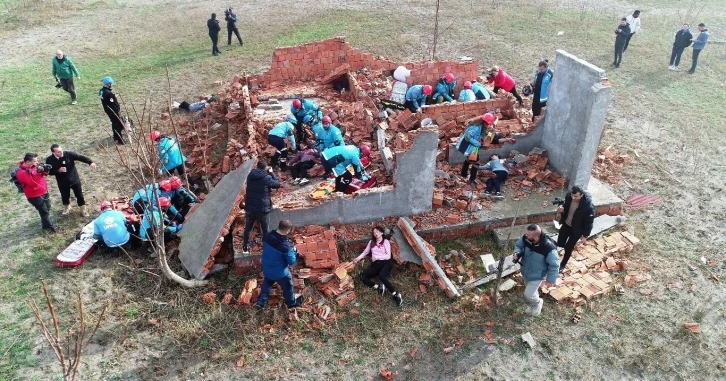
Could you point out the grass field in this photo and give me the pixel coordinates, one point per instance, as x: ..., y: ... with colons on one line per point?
x: 154, y: 330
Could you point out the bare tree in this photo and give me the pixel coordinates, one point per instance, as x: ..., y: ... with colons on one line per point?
x: 438, y: 33
x: 68, y: 349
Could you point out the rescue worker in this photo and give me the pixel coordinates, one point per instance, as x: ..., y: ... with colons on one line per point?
x: 182, y: 199
x: 469, y: 143
x: 416, y: 97
x: 337, y: 159
x: 327, y: 135
x: 170, y: 155
x: 445, y: 89
x: 110, y: 228
x: 276, y: 137
x: 153, y: 218
x: 467, y: 94
x: 140, y: 199
x: 480, y: 91
x: 504, y: 81
x: 301, y: 108
x: 112, y: 109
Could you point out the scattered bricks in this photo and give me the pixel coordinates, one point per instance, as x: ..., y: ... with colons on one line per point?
x: 209, y: 298
x: 340, y: 273
x: 424, y: 278
x: 227, y: 298
x: 337, y: 72
x: 460, y: 204
x: 453, y: 219
x: 345, y: 298
x: 225, y: 164
x: 438, y: 200
x: 610, y: 263
x: 422, y: 288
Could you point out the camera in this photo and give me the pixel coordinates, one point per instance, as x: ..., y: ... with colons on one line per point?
x: 490, y: 75
x: 558, y: 201
x: 227, y: 11
x: 44, y: 168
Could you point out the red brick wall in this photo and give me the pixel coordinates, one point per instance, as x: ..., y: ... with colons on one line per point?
x: 452, y: 111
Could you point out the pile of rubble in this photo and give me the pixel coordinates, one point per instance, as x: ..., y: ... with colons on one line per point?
x: 589, y: 272
x: 609, y: 166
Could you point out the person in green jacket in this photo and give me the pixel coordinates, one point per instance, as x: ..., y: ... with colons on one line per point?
x: 63, y: 71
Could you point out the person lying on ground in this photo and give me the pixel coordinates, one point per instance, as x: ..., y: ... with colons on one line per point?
x: 196, y: 106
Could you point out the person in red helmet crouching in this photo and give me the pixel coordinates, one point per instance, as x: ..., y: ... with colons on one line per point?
x: 416, y: 97
x: 110, y: 228
x: 337, y: 159
x: 445, y: 89
x: 170, y: 156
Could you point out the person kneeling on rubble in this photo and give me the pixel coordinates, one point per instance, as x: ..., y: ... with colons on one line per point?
x: 537, y: 255
x: 327, y: 135
x: 278, y: 254
x: 110, y: 228
x: 153, y: 219
x: 381, y: 264
x: 301, y: 108
x: 181, y: 199
x: 337, y: 159
x: 301, y: 162
x: 467, y: 94
x: 416, y: 97
x: 276, y: 137
x: 170, y: 155
x: 504, y: 81
x: 196, y: 106
x: 141, y: 197
x: 480, y: 92
x: 445, y: 89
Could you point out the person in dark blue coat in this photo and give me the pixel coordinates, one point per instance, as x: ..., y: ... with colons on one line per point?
x: 621, y: 35
x: 278, y: 254
x: 258, y: 203
x: 576, y: 216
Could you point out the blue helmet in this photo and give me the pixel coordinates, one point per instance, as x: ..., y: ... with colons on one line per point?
x: 292, y: 119
x: 107, y: 80
x: 307, y: 119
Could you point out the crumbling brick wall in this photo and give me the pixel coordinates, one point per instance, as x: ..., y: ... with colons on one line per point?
x: 451, y: 111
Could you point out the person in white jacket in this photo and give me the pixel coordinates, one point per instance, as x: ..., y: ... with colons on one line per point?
x: 634, y: 22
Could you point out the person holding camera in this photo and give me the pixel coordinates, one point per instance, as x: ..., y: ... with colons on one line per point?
x: 258, y: 200
x: 537, y: 256
x: 63, y: 72
x: 214, y: 28
x: 231, y: 19
x: 278, y: 254
x: 31, y: 176
x: 63, y: 165
x: 576, y: 216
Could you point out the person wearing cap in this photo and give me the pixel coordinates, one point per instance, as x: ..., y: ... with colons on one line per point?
x: 301, y: 108
x: 153, y: 218
x: 182, y: 199
x: 540, y: 87
x: 416, y: 97
x: 276, y: 137
x: 501, y: 80
x: 327, y: 135
x: 480, y: 91
x: 467, y: 94
x: 170, y: 156
x: 445, y: 89
x: 336, y: 160
x: 301, y: 162
x: 111, y: 227
x: 66, y: 175
x: 112, y: 109
x: 699, y: 43
x: 63, y: 72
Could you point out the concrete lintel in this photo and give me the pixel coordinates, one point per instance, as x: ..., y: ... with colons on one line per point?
x: 524, y: 144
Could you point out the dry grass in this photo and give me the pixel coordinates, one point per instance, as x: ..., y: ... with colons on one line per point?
x: 672, y: 120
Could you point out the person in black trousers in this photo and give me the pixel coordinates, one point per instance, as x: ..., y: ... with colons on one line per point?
x: 621, y: 36
x: 231, y: 19
x: 576, y: 216
x: 379, y: 248
x: 682, y: 41
x: 112, y: 109
x: 258, y: 202
x: 66, y: 175
x: 214, y: 28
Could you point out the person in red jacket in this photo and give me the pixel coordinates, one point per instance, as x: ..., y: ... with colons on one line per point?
x: 31, y: 176
x: 502, y: 80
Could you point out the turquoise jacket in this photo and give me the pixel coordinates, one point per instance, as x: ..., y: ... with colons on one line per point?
x: 467, y: 95
x: 326, y: 138
x: 445, y: 90
x: 546, y: 80
x: 478, y: 88
x: 469, y: 139
x: 341, y: 157
x: 111, y: 227
x: 536, y: 266
x: 170, y: 154
x: 415, y: 95
x: 284, y: 130
x: 149, y: 190
x: 153, y: 215
x: 308, y: 108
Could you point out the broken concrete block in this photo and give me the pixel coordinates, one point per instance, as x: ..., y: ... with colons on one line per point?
x: 507, y: 285
x: 529, y: 340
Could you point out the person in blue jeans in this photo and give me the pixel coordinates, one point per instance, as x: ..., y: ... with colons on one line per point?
x: 278, y: 254
x: 500, y: 175
x: 698, y: 44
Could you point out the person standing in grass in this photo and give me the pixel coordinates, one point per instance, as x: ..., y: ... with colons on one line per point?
x: 231, y: 19
x: 112, y: 109
x: 634, y: 22
x: 214, y: 28
x: 31, y: 176
x: 64, y: 169
x: 622, y: 32
x: 682, y: 41
x: 698, y: 44
x: 63, y: 72
x: 379, y: 248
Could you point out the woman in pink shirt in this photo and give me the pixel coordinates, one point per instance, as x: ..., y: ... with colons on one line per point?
x: 379, y: 249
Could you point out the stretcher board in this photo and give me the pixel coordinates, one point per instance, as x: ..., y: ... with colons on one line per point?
x: 78, y: 251
x: 356, y: 185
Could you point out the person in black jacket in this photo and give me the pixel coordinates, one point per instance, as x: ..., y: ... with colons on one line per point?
x: 112, y: 109
x: 683, y: 40
x: 621, y: 36
x: 214, y: 28
x: 258, y: 203
x: 576, y: 217
x: 231, y: 19
x: 66, y: 175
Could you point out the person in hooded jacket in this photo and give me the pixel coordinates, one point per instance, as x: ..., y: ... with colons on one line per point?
x: 480, y: 91
x: 501, y: 80
x: 278, y: 254
x: 416, y: 97
x: 576, y: 217
x: 112, y: 109
x: 336, y: 160
x: 327, y: 134
x: 276, y: 137
x: 540, y: 86
x: 682, y: 41
x: 445, y: 89
x: 622, y: 32
x: 171, y: 158
x: 537, y: 256
x: 258, y: 200
x: 31, y: 176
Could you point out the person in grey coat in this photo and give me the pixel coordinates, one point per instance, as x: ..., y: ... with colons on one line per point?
x: 537, y: 255
x: 231, y: 19
x: 698, y: 44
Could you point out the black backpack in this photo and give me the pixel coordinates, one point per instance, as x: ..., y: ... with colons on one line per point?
x: 14, y: 179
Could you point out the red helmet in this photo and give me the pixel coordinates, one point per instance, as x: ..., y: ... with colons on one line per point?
x: 365, y: 151
x: 488, y: 119
x: 467, y: 85
x: 296, y: 103
x: 449, y: 77
x: 105, y: 205
x: 154, y: 136
x: 165, y: 185
x: 175, y: 182
x: 164, y: 202
x: 427, y: 90
x: 327, y: 120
